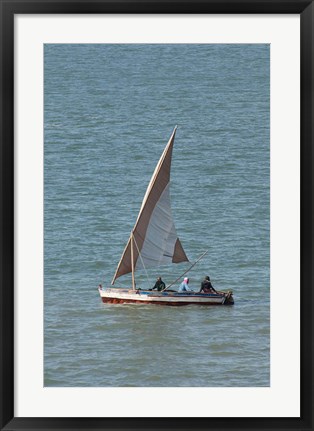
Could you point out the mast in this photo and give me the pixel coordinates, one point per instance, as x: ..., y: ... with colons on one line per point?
x: 132, y: 261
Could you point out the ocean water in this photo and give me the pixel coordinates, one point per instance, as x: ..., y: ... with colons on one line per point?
x: 109, y: 112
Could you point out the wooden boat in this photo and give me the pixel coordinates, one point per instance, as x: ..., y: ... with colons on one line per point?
x: 154, y: 242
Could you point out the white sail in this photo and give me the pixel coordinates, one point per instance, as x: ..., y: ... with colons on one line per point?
x: 154, y: 237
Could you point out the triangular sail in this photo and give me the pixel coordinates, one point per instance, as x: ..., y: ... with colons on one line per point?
x: 154, y: 235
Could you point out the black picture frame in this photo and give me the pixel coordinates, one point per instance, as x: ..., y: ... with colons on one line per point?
x: 11, y: 7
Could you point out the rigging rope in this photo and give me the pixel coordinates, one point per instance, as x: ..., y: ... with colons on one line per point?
x: 139, y: 253
x: 202, y: 255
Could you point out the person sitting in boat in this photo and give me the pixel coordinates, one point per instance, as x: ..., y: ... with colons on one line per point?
x: 184, y: 286
x: 159, y: 285
x: 206, y: 286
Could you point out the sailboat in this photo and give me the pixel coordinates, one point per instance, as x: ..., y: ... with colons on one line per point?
x: 154, y: 242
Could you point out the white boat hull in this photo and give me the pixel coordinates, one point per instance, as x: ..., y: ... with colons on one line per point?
x: 120, y: 296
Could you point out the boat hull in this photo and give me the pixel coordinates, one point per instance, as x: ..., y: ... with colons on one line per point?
x: 121, y: 296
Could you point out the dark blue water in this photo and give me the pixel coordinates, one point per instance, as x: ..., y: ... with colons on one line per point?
x: 109, y: 111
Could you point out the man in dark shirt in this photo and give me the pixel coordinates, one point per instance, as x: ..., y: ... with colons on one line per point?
x: 159, y: 285
x: 206, y: 286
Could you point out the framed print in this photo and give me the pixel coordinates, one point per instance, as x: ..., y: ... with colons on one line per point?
x: 156, y: 154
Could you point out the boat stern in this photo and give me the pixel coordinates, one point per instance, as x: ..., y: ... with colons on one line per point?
x: 229, y: 298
